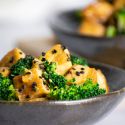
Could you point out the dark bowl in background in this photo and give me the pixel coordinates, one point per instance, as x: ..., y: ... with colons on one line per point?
x: 80, y: 112
x: 103, y: 49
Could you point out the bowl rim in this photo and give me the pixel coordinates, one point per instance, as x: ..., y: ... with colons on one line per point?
x: 54, y: 25
x: 74, y: 102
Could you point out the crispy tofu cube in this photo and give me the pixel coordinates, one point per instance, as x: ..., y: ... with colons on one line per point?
x: 4, y: 71
x: 118, y: 4
x: 30, y: 85
x: 99, y: 11
x: 91, y: 28
x: 101, y: 79
x: 61, y: 56
x: 11, y: 58
x: 81, y: 74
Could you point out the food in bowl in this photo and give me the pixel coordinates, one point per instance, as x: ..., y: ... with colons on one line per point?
x: 54, y: 75
x: 103, y: 18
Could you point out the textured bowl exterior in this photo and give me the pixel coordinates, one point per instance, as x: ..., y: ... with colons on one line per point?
x: 81, y: 112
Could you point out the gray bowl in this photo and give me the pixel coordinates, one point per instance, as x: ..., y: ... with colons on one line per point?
x: 81, y: 112
x: 65, y: 27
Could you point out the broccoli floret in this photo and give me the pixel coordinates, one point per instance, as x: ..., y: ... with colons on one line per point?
x: 53, y: 78
x: 78, y: 60
x: 111, y: 31
x: 120, y: 16
x: 75, y: 92
x: 7, y: 91
x: 21, y: 65
x: 50, y: 67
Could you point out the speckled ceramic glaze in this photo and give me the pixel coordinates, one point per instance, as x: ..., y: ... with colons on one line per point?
x: 65, y: 26
x: 81, y: 112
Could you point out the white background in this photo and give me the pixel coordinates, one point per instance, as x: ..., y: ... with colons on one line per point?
x: 28, y: 18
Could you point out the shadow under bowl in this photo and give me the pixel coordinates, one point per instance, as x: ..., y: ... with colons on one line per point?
x: 80, y: 112
x: 65, y: 26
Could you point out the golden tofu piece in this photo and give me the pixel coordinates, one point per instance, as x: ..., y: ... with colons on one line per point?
x: 91, y: 28
x: 99, y: 11
x: 81, y: 74
x: 30, y: 85
x: 4, y: 71
x: 101, y: 79
x: 118, y: 4
x: 61, y: 56
x: 11, y: 58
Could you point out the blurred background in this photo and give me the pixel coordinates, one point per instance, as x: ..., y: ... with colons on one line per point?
x: 27, y: 19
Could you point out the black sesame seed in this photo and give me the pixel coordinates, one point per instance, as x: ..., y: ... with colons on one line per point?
x: 27, y: 73
x: 63, y: 47
x: 11, y: 60
x: 69, y: 72
x: 43, y: 59
x: 3, y: 70
x: 35, y: 61
x: 77, y: 73
x: 54, y: 51
x: 27, y: 97
x: 82, y: 72
x: 82, y: 68
x: 40, y: 77
x: 20, y: 53
x: 68, y: 59
x: 20, y: 90
x: 43, y: 53
x: 41, y: 66
x: 34, y: 86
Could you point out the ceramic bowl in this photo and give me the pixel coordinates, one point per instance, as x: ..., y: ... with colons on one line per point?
x: 80, y: 112
x: 65, y: 26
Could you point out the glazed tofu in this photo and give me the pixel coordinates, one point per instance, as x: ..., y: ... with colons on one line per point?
x: 118, y: 4
x: 30, y: 85
x: 11, y: 58
x: 61, y: 56
x: 99, y: 11
x: 81, y: 74
x: 101, y: 79
x: 4, y: 71
x: 91, y: 28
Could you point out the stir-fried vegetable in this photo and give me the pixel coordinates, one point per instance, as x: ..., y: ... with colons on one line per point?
x: 7, y: 91
x: 55, y: 75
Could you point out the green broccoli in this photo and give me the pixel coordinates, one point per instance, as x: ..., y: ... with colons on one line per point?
x: 111, y: 31
x: 53, y: 78
x: 120, y: 16
x: 78, y: 60
x: 50, y: 67
x: 75, y: 92
x: 7, y: 91
x: 21, y: 65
